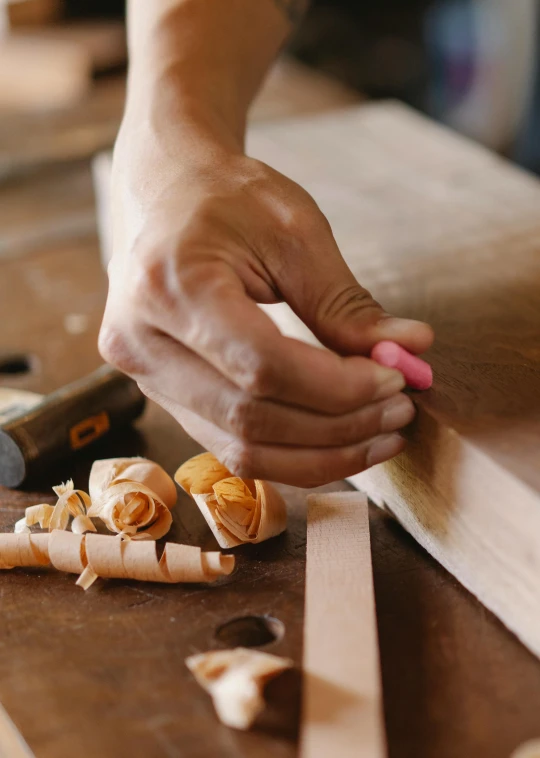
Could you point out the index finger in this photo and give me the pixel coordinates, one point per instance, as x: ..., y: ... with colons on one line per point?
x: 226, y: 328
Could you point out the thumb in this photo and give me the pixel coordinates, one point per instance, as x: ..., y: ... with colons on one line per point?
x: 324, y: 293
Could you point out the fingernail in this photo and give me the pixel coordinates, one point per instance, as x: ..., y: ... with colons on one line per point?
x: 389, y: 382
x: 401, y: 325
x: 397, y: 413
x: 384, y: 448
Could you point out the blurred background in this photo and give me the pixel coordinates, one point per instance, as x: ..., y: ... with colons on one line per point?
x: 471, y: 64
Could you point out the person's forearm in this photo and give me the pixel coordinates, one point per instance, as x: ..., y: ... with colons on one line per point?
x: 202, y: 234
x: 207, y: 58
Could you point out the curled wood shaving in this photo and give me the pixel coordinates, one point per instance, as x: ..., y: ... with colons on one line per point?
x: 235, y: 679
x: 98, y: 555
x: 236, y: 510
x: 21, y: 528
x: 133, y: 497
x: 82, y: 524
x: 71, y: 502
x: 199, y: 474
x: 35, y: 514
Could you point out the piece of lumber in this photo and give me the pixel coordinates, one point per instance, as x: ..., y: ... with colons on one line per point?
x: 292, y: 89
x: 65, y: 134
x: 37, y: 73
x: 443, y: 230
x: 103, y: 42
x: 342, y: 703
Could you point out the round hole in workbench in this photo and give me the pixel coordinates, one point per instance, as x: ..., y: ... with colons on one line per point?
x: 15, y: 364
x: 250, y: 631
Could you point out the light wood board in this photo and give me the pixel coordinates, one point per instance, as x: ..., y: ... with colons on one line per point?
x: 103, y: 42
x: 342, y: 707
x: 41, y: 74
x: 443, y: 230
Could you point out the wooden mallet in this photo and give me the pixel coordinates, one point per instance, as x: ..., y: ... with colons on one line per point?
x: 64, y: 422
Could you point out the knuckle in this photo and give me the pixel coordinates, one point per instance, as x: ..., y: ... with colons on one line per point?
x: 148, y: 280
x: 168, y: 275
x: 193, y: 280
x: 356, y: 427
x: 238, y: 457
x: 259, y: 377
x: 243, y: 417
x: 344, y: 434
x: 114, y: 349
x: 298, y: 221
x: 347, y: 302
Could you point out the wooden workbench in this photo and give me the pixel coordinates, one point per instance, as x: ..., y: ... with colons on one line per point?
x: 102, y: 673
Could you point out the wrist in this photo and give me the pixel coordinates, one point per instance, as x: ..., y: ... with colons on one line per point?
x: 201, y: 61
x: 175, y: 103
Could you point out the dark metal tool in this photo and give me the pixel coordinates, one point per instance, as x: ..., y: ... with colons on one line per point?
x: 66, y: 421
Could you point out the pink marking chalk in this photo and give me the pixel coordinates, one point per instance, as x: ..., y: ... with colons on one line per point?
x: 417, y: 373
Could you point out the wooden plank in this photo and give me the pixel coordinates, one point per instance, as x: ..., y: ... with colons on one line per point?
x: 342, y: 708
x: 442, y: 230
x: 103, y: 42
x: 66, y: 134
x: 41, y: 74
x: 292, y: 89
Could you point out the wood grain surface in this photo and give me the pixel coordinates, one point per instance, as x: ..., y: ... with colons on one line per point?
x: 55, y: 203
x: 442, y: 230
x: 342, y: 698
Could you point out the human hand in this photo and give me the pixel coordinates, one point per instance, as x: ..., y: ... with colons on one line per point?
x: 203, y: 234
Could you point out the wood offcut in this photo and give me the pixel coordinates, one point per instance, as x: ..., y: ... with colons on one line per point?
x: 342, y: 704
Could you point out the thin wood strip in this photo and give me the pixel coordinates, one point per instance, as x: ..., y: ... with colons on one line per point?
x: 342, y: 708
x: 12, y: 744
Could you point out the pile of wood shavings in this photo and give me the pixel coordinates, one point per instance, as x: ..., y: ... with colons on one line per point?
x: 133, y: 497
